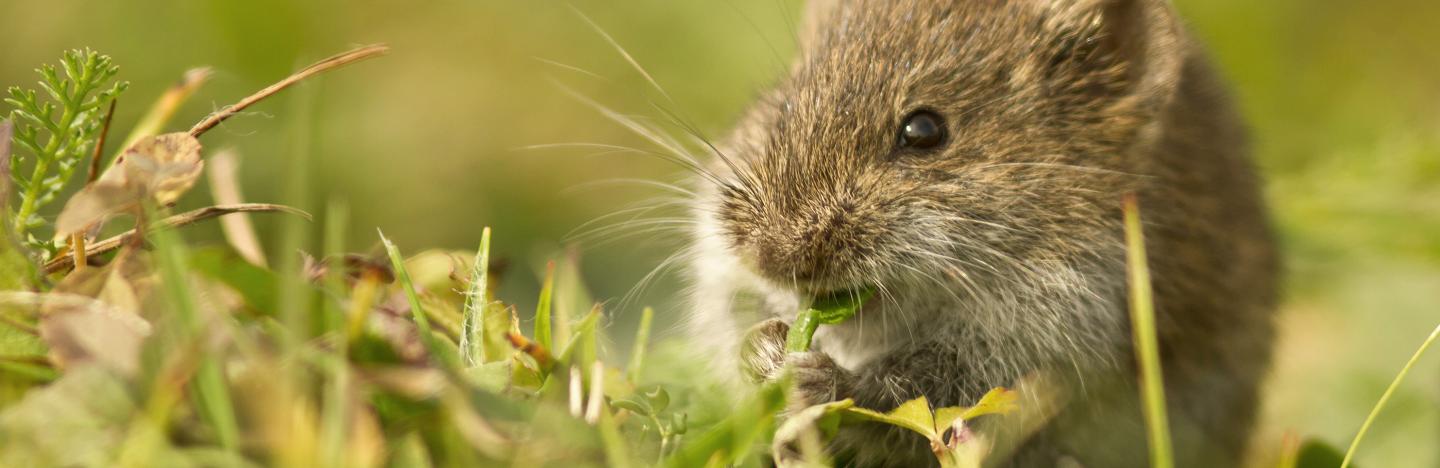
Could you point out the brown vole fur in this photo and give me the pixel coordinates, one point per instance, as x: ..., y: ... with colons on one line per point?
x: 997, y: 252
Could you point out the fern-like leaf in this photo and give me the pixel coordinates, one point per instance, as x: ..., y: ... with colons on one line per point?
x: 55, y: 131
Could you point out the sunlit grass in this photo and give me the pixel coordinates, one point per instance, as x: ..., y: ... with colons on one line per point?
x: 1147, y: 347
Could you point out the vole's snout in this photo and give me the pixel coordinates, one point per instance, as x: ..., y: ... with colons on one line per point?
x: 819, y: 250
x: 792, y: 257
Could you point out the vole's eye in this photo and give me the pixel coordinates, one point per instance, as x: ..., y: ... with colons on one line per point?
x: 922, y: 130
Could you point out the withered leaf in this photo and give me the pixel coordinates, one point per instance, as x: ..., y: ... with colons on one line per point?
x: 166, y: 165
x: 122, y: 284
x: 93, y: 315
x: 161, y: 168
x: 93, y: 204
x: 84, y: 330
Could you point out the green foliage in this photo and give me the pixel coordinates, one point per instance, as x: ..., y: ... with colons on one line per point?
x: 1317, y: 454
x: 830, y: 309
x: 477, y: 300
x: 57, y: 129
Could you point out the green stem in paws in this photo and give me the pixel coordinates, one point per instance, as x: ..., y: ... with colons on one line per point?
x: 829, y: 309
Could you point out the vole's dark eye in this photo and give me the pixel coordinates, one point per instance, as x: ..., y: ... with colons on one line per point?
x: 922, y: 130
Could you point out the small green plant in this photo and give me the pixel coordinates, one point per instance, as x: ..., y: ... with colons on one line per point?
x: 57, y: 130
x: 830, y: 309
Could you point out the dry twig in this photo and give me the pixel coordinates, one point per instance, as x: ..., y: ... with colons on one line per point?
x: 182, y: 219
x: 319, y: 67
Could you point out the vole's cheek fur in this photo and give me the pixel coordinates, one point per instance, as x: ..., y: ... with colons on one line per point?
x: 999, y: 253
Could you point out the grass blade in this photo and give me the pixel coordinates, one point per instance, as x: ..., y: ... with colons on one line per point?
x: 1147, y: 347
x: 334, y: 410
x: 472, y: 326
x: 572, y: 299
x: 225, y: 189
x: 417, y: 311
x: 212, y: 394
x: 542, y: 310
x: 1385, y: 397
x: 642, y: 340
x: 397, y: 262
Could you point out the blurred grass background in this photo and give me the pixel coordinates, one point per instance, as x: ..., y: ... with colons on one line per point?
x: 1343, y: 98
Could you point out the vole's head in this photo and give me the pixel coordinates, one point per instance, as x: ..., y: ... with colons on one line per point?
x: 934, y: 138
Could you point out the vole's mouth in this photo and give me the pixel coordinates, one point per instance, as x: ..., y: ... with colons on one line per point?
x: 856, y: 294
x: 818, y: 291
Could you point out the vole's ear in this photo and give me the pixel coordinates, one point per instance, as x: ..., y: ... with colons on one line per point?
x: 1133, y: 47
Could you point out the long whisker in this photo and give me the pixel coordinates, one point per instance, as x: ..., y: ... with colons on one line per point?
x: 680, y: 156
x: 685, y: 163
x: 636, y: 212
x: 774, y: 54
x: 745, y: 178
x: 678, y: 190
x: 646, y: 281
x: 623, y: 53
x: 571, y: 68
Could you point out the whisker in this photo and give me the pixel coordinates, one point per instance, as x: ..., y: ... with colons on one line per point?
x: 623, y: 53
x: 746, y: 179
x: 570, y: 68
x: 669, y: 187
x: 676, y: 153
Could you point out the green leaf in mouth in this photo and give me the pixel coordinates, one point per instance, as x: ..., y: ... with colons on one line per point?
x: 829, y: 309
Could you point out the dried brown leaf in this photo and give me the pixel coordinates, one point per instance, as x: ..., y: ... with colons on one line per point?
x: 93, y: 204
x: 107, y: 328
x: 82, y: 330
x: 226, y: 190
x: 166, y: 165
x: 161, y: 168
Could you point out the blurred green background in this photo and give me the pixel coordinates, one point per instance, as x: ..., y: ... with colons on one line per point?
x: 1343, y: 98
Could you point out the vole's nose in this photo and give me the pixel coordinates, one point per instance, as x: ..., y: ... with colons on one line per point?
x: 807, y: 251
x: 785, y: 262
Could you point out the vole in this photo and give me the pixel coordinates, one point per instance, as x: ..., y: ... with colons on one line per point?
x: 966, y: 159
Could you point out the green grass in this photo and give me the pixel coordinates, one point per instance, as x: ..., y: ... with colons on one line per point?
x: 1147, y: 347
x: 1385, y: 398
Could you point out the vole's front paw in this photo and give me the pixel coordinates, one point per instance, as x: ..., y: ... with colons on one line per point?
x: 762, y: 352
x: 817, y: 378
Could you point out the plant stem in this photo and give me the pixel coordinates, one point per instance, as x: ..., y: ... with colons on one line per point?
x: 1147, y: 347
x: 30, y: 197
x: 542, y: 309
x: 798, y: 340
x: 1385, y: 397
x: 642, y: 339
